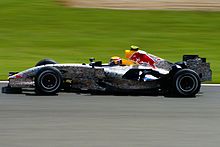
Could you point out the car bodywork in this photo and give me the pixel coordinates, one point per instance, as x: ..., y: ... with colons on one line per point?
x: 99, y: 77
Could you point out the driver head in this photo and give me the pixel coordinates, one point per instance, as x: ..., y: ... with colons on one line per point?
x: 115, y: 60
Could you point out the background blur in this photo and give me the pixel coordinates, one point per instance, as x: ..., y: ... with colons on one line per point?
x: 75, y: 30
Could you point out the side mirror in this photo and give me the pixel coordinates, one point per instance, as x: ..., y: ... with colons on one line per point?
x: 92, y: 59
x: 92, y: 62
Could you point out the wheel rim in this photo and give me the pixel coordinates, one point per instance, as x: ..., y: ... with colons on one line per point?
x: 49, y: 81
x: 187, y: 83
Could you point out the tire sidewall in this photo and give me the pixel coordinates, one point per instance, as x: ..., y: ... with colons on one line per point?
x: 186, y: 73
x: 40, y: 88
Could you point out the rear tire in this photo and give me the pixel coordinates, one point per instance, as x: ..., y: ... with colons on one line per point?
x: 48, y: 81
x: 186, y: 83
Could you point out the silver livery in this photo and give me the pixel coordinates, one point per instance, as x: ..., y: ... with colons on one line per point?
x: 171, y: 79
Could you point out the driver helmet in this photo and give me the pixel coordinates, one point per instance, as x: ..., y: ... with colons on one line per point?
x: 115, y: 60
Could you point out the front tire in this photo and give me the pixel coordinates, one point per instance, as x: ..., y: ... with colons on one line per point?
x: 186, y: 83
x: 48, y: 81
x: 45, y: 62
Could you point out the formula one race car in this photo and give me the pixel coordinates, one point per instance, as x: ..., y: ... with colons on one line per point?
x: 169, y: 79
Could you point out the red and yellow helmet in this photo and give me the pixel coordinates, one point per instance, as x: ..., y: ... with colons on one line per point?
x: 115, y: 60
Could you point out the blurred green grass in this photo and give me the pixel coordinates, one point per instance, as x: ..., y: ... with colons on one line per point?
x: 35, y: 29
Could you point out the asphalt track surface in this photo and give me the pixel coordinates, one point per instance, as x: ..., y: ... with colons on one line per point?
x: 82, y: 120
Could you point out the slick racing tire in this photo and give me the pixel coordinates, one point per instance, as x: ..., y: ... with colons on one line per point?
x: 48, y: 81
x: 45, y: 61
x: 10, y: 90
x: 186, y: 83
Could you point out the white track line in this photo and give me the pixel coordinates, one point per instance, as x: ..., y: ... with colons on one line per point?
x: 3, y: 82
x: 209, y: 85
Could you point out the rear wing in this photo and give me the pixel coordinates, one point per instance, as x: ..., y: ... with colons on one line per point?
x: 199, y: 65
